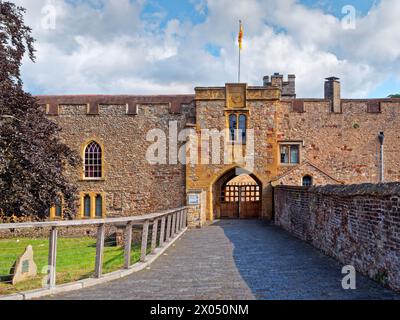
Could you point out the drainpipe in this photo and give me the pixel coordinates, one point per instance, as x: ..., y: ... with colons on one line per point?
x: 381, y: 138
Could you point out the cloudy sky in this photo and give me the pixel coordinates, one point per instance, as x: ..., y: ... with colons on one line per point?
x: 171, y: 46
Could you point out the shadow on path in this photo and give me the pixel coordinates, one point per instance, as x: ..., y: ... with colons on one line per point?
x: 239, y: 260
x: 275, y: 265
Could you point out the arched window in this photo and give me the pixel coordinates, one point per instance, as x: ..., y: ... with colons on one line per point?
x: 243, y: 127
x: 93, y: 161
x: 307, y: 181
x: 93, y: 205
x: 87, y: 206
x: 238, y: 125
x: 232, y: 126
x: 99, y: 206
x: 58, y: 211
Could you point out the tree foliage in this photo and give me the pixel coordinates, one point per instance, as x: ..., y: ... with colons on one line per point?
x: 32, y: 156
x: 394, y: 96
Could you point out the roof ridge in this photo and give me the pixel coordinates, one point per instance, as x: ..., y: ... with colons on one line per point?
x: 301, y: 165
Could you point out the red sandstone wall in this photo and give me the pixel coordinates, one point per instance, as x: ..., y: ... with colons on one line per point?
x: 343, y: 145
x: 357, y: 224
x: 132, y: 185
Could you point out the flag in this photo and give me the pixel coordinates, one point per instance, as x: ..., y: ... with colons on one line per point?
x: 241, y: 36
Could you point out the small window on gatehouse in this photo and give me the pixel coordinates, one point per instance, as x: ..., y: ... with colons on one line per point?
x: 238, y: 128
x: 307, y: 181
x: 243, y: 127
x: 290, y: 153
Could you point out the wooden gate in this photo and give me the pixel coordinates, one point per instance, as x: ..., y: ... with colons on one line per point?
x: 240, y: 201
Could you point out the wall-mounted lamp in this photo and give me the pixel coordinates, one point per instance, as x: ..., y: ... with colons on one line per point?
x: 381, y: 137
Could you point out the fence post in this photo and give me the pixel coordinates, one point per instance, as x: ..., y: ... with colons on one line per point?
x: 128, y: 244
x: 176, y: 222
x: 145, y: 234
x: 154, y: 238
x: 182, y: 218
x: 53, y: 257
x: 179, y: 224
x: 99, y: 250
x: 162, y: 233
x: 185, y: 218
x: 173, y: 232
x: 168, y: 237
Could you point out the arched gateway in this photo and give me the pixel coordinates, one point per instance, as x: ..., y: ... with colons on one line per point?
x: 237, y: 195
x: 236, y: 127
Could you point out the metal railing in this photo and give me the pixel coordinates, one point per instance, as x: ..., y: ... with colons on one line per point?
x: 157, y: 231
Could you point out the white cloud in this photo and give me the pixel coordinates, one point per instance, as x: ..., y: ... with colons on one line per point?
x: 108, y: 46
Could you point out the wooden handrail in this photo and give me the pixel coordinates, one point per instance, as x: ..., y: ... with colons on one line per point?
x: 176, y: 220
x: 82, y: 222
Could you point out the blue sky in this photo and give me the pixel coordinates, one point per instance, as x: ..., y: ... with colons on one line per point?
x: 171, y: 46
x: 335, y: 6
x: 175, y: 9
x: 186, y: 10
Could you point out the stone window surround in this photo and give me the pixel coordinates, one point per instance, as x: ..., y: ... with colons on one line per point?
x: 299, y: 143
x: 92, y: 196
x: 93, y: 159
x: 307, y: 176
x: 103, y: 164
x: 53, y: 211
x: 238, y: 113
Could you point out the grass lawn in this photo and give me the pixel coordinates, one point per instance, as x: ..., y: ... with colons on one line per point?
x: 75, y: 260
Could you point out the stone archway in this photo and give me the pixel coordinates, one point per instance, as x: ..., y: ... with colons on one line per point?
x: 237, y: 195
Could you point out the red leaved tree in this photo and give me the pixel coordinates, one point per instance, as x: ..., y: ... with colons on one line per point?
x: 32, y: 156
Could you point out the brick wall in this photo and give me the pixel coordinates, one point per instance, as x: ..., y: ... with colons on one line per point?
x: 357, y: 224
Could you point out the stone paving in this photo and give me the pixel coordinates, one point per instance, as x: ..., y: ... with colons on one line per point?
x: 237, y: 259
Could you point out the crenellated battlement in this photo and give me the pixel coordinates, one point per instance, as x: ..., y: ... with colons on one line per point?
x: 328, y: 140
x: 92, y: 104
x: 274, y: 88
x: 346, y: 106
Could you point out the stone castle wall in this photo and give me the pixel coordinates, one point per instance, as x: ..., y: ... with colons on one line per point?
x: 131, y: 185
x: 357, y: 224
x: 342, y: 145
x: 211, y: 115
x: 336, y: 147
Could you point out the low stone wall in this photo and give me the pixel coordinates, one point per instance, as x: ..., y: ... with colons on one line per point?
x: 357, y: 224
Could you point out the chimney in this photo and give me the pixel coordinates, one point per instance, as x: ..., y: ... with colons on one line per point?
x: 266, y: 82
x: 291, y: 86
x: 332, y: 93
x: 288, y: 88
x: 277, y: 80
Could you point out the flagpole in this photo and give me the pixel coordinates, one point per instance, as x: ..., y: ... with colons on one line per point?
x: 239, y: 65
x: 240, y: 49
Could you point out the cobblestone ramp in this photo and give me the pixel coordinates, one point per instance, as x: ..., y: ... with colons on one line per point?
x: 237, y: 259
